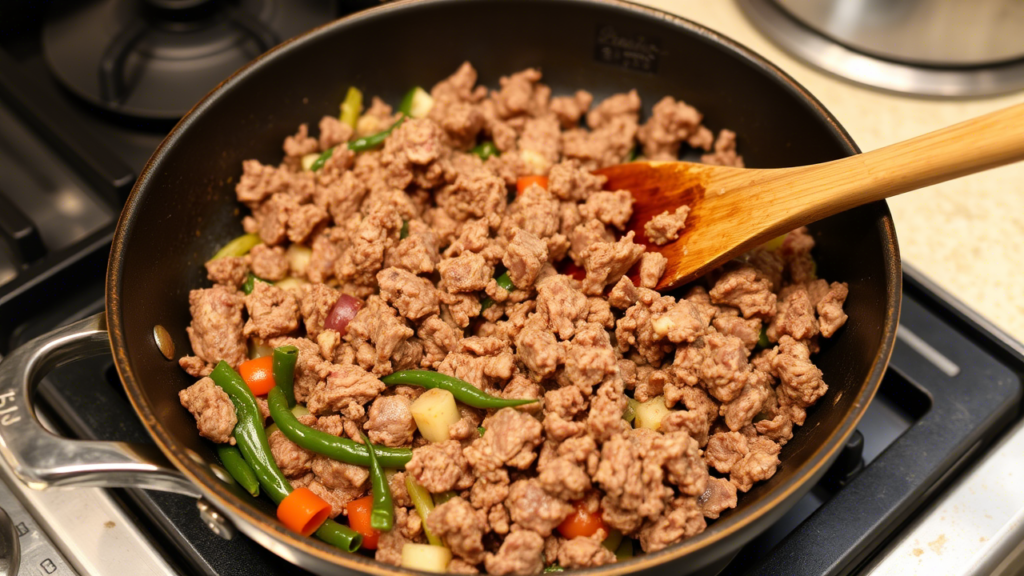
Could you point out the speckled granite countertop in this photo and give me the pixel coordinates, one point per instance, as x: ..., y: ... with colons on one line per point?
x: 968, y: 234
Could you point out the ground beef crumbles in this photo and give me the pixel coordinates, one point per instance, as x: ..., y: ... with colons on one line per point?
x: 477, y: 243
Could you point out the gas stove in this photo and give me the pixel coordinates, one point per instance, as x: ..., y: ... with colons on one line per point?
x: 76, y: 126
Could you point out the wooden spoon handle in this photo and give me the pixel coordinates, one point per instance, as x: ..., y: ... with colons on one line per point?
x: 817, y: 191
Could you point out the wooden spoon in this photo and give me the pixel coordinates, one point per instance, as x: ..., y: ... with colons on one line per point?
x: 733, y: 210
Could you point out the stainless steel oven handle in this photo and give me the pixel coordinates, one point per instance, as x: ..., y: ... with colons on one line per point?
x: 44, y: 460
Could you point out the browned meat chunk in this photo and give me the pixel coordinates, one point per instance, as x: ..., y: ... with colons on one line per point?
x: 212, y: 409
x: 344, y: 389
x: 569, y: 109
x: 671, y: 123
x: 795, y: 317
x: 216, y: 328
x: 268, y: 262
x: 725, y: 449
x: 510, y: 439
x: 440, y: 467
x: 747, y: 330
x: 665, y: 227
x: 725, y: 368
x: 379, y: 324
x: 230, y: 271
x: 685, y: 520
x: 743, y: 289
x: 524, y: 259
x: 623, y: 294
x: 719, y: 497
x: 272, y: 312
x: 522, y: 552
x: 652, y: 267
x: 466, y: 273
x: 611, y: 208
x: 534, y: 509
x: 830, y: 309
x: 682, y: 322
x: 292, y: 459
x: 461, y: 528
x: 801, y: 384
x: 606, y: 262
x: 583, y: 552
x: 412, y: 296
x: 390, y: 421
x: 636, y: 328
x: 724, y: 153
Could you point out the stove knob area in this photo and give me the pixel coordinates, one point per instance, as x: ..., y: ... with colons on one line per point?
x: 10, y: 547
x: 214, y: 520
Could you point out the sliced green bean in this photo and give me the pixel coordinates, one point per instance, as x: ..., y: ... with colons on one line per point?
x: 404, y: 233
x: 249, y: 433
x: 374, y: 140
x: 554, y: 568
x: 481, y: 430
x: 382, y: 514
x: 284, y: 371
x: 505, y: 282
x: 326, y: 444
x: 762, y: 339
x: 339, y: 536
x: 233, y: 462
x: 252, y: 443
x: 463, y: 391
x: 351, y: 106
x: 424, y: 506
x: 238, y: 247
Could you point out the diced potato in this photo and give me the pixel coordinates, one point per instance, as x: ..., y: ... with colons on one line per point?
x: 258, y: 348
x: 417, y: 103
x: 308, y: 159
x: 299, y: 410
x: 434, y: 411
x: 425, y: 557
x: 292, y: 285
x: 298, y: 258
x: 650, y: 414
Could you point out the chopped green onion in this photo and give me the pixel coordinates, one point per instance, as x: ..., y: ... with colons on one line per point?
x: 405, y: 230
x: 352, y: 106
x: 762, y: 339
x: 554, y: 568
x: 416, y: 103
x: 485, y: 150
x: 250, y: 283
x: 374, y: 140
x: 481, y: 430
x: 505, y: 282
x: 238, y: 247
x: 322, y: 159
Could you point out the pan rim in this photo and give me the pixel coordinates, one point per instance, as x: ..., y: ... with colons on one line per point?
x: 249, y: 517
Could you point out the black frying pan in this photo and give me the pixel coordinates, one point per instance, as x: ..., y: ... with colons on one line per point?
x: 183, y: 207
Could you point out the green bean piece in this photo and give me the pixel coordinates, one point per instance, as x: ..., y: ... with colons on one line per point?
x: 485, y: 150
x: 284, y: 371
x: 481, y: 430
x: 625, y: 550
x: 249, y: 433
x: 505, y: 282
x: 351, y: 106
x: 486, y: 303
x: 252, y: 443
x: 762, y: 339
x: 322, y: 159
x: 326, y: 444
x: 554, y: 568
x: 374, y: 140
x: 424, y: 506
x: 238, y: 247
x: 233, y: 462
x: 463, y: 391
x: 404, y: 233
x: 382, y: 515
x: 250, y: 283
x: 339, y: 536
